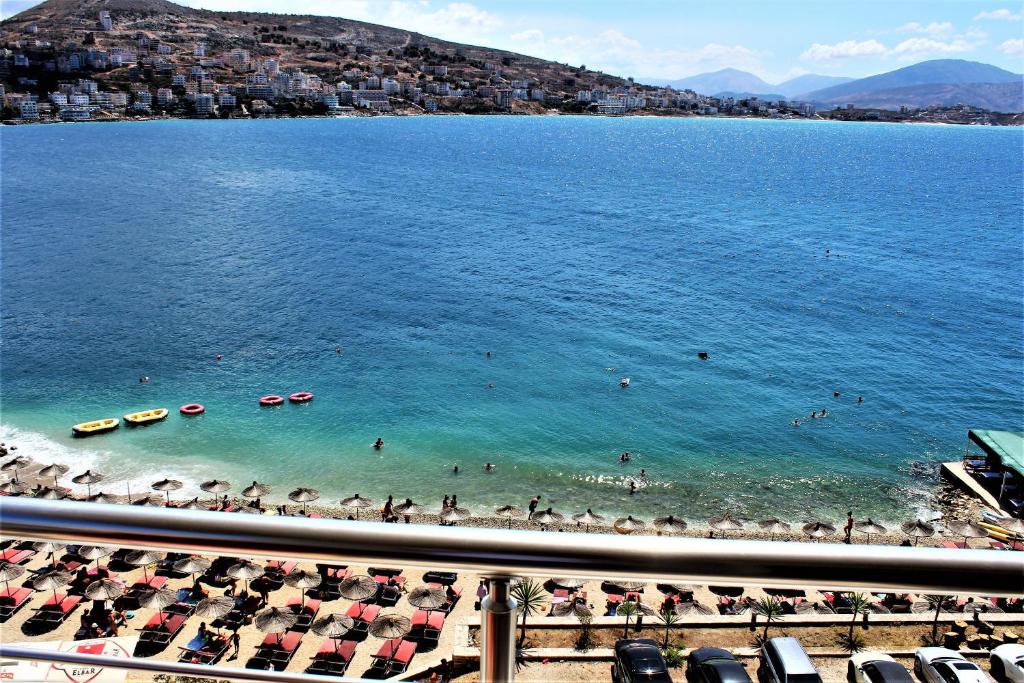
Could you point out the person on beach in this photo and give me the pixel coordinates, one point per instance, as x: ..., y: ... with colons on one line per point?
x: 445, y: 503
x: 534, y: 502
x: 455, y: 500
x: 388, y: 509
x: 236, y: 642
x: 824, y: 413
x: 481, y: 593
x: 488, y: 354
x: 848, y: 529
x: 219, y: 357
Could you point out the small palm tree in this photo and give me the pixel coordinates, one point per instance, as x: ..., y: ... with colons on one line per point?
x: 937, y: 601
x: 770, y: 608
x: 531, y: 596
x: 859, y: 604
x: 668, y: 618
x: 627, y: 609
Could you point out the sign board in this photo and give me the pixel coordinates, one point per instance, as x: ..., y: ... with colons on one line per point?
x: 23, y: 671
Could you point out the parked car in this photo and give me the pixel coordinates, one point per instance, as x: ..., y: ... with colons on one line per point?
x: 1007, y: 663
x: 783, y: 660
x: 876, y: 667
x: 714, y: 665
x: 941, y: 665
x: 639, y: 659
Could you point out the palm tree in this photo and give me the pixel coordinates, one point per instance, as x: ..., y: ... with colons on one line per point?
x: 531, y: 596
x: 770, y: 608
x: 858, y: 603
x: 627, y: 609
x: 669, y: 618
x: 937, y: 601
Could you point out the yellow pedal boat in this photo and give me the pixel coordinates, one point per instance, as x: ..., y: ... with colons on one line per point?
x: 145, y: 416
x: 95, y: 427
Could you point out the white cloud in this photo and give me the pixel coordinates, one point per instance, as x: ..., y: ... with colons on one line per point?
x: 844, y: 50
x: 914, y: 48
x: 1014, y: 46
x: 1000, y: 15
x: 458, y: 21
x: 935, y: 28
x: 909, y: 49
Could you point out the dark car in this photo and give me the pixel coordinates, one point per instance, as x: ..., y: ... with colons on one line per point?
x: 714, y: 665
x: 639, y: 659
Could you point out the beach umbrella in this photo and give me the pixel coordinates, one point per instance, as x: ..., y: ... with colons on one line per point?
x: 627, y: 525
x: 509, y: 511
x: 917, y: 529
x: 245, y: 570
x: 88, y: 478
x: 104, y: 589
x: 193, y: 504
x: 93, y: 552
x: 409, y: 508
x: 102, y: 498
x: 256, y: 490
x: 357, y: 502
x: 358, y: 587
x: 304, y: 495
x: 51, y: 580
x: 870, y: 528
x: 167, y: 485
x: 215, y: 486
x: 818, y: 530
x: 587, y: 518
x: 452, y: 515
x: 302, y: 580
x: 9, y: 572
x: 774, y: 526
x: 192, y: 565
x: 571, y: 583
x: 725, y: 523
x: 275, y: 620
x: 727, y: 591
x: 389, y: 627
x: 1011, y: 524
x: 571, y: 607
x: 670, y: 524
x: 49, y: 547
x: 545, y: 517
x: 966, y: 529
x: 55, y: 470
x: 49, y: 493
x: 12, y: 487
x: 143, y: 558
x: 333, y: 626
x: 214, y: 608
x: 157, y: 598
x: 427, y: 597
x: 249, y: 510
x: 15, y: 464
x: 629, y: 586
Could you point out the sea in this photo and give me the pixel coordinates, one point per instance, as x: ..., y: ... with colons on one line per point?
x: 804, y: 258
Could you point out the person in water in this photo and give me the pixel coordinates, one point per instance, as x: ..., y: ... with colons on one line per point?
x: 379, y: 443
x: 455, y: 470
x: 643, y: 473
x: 488, y: 467
x: 533, y: 504
x: 796, y: 422
x: 625, y: 457
x: 835, y: 394
x: 144, y: 379
x: 632, y: 487
x: 488, y: 354
x: 860, y: 399
x: 848, y: 529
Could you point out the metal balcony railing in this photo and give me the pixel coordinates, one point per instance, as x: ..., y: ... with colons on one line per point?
x: 499, y: 555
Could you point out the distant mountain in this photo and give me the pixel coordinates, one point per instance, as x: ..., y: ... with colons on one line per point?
x: 807, y: 83
x: 1001, y: 97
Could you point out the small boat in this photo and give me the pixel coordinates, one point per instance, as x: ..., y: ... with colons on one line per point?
x: 192, y: 409
x: 624, y: 382
x: 145, y: 416
x: 301, y: 397
x: 108, y: 424
x: 271, y: 400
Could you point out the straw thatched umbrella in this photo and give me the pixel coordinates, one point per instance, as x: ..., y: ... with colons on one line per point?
x: 51, y: 580
x: 55, y: 470
x: 256, y: 490
x: 333, y: 626
x: 93, y: 552
x: 102, y: 498
x: 389, y: 627
x: 357, y: 502
x: 9, y: 572
x: 275, y: 620
x: 215, y: 486
x: 427, y: 597
x: 193, y: 504
x: 192, y: 565
x: 358, y: 587
x: 453, y: 515
x: 628, y: 585
x: 167, y: 485
x: 571, y: 607
x: 14, y: 464
x: 670, y: 523
x: 104, y: 589
x: 49, y: 547
x: 588, y: 518
x: 215, y: 608
x: 88, y: 478
x: 302, y: 580
x: 143, y: 558
x: 570, y: 582
x: 152, y: 501
x: 12, y: 487
x: 245, y: 570
x: 966, y: 529
x: 508, y: 511
x: 870, y: 528
x: 917, y: 530
x: 409, y: 508
x: 629, y: 524
x: 157, y: 598
x: 725, y: 523
x: 546, y: 517
x: 49, y: 493
x: 304, y: 495
x: 818, y: 530
x: 774, y: 526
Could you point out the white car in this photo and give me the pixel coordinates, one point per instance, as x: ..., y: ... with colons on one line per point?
x: 1008, y: 663
x: 876, y: 667
x: 940, y: 665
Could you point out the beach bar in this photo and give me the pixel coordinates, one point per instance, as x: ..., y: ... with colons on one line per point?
x: 992, y: 469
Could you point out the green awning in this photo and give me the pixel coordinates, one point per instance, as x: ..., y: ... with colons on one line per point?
x: 1008, y: 447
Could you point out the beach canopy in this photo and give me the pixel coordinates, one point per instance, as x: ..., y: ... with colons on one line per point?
x: 917, y: 529
x: 358, y: 587
x: 300, y: 578
x: 51, y: 580
x: 88, y: 478
x: 333, y: 625
x: 571, y: 583
x: 104, y: 589
x: 870, y: 527
x: 102, y: 498
x: 166, y: 485
x: 629, y: 524
x: 245, y: 570
x: 93, y: 552
x: 409, y: 508
x: 50, y: 493
x: 10, y: 572
x: 275, y: 620
x: 357, y: 502
x: 628, y: 585
x: 48, y: 547
x: 545, y: 517
x: 725, y: 522
x: 427, y: 597
x: 143, y: 558
x: 571, y: 607
x: 587, y: 518
x: 215, y: 608
x: 774, y: 525
x: 1006, y: 447
x: 15, y: 464
x: 390, y: 626
x: 12, y: 486
x: 157, y: 598
x: 508, y: 512
x: 966, y: 529
x: 256, y: 489
x: 55, y: 470
x: 818, y: 530
x: 455, y: 514
x: 192, y: 565
x: 670, y: 523
x: 215, y: 486
x: 304, y: 495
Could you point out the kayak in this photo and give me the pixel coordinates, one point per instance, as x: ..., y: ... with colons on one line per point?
x: 998, y: 532
x: 145, y: 416
x: 108, y: 424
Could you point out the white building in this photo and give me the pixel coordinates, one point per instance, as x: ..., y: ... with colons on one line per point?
x: 226, y: 99
x: 59, y: 99
x: 143, y: 101
x: 106, y: 23
x: 199, y: 50
x: 164, y: 96
x: 391, y: 86
x: 204, y: 104
x: 29, y: 109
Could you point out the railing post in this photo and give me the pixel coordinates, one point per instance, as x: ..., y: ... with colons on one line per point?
x: 498, y: 632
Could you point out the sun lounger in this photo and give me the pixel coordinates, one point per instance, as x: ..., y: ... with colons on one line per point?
x: 15, y: 556
x: 161, y: 629
x: 56, y: 609
x: 306, y: 613
x: 13, y: 599
x: 278, y: 649
x: 393, y: 657
x: 362, y: 614
x: 209, y: 651
x: 333, y: 657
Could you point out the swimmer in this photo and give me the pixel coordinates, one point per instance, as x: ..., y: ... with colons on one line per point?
x: 824, y: 413
x: 490, y: 385
x: 219, y: 356
x: 488, y: 354
x: 624, y: 457
x: 144, y: 379
x: 632, y: 487
x: 835, y: 394
x: 455, y: 470
x: 795, y: 422
x: 337, y: 349
x: 643, y: 473
x: 860, y: 399
x: 814, y: 414
x: 379, y: 443
x: 488, y: 467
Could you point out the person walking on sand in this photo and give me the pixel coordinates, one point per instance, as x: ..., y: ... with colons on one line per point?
x: 534, y: 502
x: 389, y: 508
x: 848, y: 529
x: 236, y: 643
x: 445, y: 503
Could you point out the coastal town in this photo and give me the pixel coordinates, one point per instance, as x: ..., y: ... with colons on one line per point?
x: 116, y: 68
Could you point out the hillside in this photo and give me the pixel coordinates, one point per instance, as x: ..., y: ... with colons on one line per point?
x: 725, y: 80
x: 998, y: 97
x: 808, y: 82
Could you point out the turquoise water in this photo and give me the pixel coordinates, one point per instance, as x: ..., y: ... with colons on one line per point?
x: 576, y: 250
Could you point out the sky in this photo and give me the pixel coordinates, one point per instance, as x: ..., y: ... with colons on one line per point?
x: 665, y: 39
